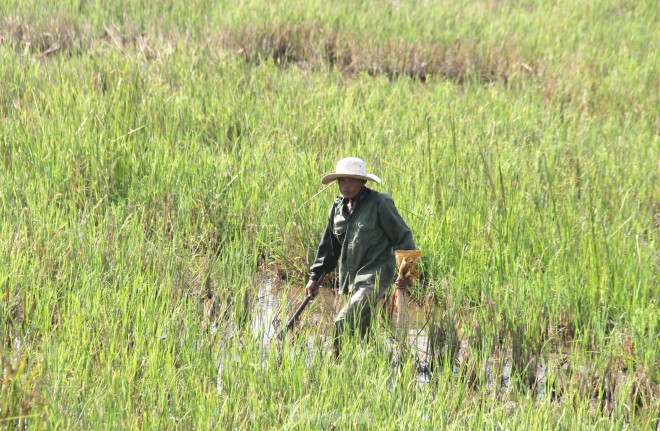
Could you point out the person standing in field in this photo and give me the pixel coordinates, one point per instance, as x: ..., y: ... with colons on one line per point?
x: 364, y: 229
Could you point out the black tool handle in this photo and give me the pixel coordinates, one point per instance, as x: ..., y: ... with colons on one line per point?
x: 306, y: 301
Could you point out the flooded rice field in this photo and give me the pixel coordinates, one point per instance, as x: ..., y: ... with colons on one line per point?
x: 550, y: 376
x: 267, y: 320
x: 266, y: 323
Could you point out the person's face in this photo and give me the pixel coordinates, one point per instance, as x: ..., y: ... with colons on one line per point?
x: 350, y: 187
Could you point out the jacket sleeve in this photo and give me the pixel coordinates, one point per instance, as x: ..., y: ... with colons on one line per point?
x: 327, y: 255
x: 394, y: 226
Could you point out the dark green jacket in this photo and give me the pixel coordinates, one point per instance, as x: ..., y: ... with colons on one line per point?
x: 362, y: 242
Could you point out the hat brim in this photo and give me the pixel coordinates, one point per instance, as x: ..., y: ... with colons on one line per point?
x: 327, y: 179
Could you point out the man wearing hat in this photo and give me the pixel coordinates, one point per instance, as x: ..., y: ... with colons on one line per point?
x: 363, y: 231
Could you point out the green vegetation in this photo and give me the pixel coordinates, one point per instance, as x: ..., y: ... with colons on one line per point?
x: 156, y: 158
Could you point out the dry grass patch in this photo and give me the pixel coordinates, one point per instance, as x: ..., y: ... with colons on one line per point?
x: 308, y: 45
x: 60, y: 34
x: 313, y: 46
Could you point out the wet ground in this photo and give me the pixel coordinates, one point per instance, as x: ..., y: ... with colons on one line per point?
x: 272, y: 302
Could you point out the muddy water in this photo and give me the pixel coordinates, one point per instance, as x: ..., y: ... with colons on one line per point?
x: 267, y: 318
x: 267, y: 321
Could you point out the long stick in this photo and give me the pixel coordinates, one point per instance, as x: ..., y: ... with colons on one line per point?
x: 307, y: 201
x: 292, y: 320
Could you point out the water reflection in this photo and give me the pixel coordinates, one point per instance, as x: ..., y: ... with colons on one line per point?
x: 265, y: 309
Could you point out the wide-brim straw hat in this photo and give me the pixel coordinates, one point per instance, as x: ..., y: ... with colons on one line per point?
x: 350, y: 167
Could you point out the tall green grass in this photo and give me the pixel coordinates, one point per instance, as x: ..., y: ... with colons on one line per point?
x: 156, y: 158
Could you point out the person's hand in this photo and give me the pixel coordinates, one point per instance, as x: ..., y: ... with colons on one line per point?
x: 311, y: 289
x: 403, y: 283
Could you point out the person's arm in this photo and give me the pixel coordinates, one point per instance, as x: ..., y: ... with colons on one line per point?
x: 394, y: 226
x: 398, y: 232
x: 327, y: 256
